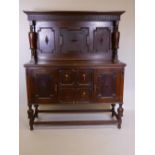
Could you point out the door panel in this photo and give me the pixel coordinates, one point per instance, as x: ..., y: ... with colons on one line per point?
x: 107, y: 85
x: 44, y: 86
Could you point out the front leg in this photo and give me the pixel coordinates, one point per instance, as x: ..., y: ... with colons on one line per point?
x: 113, y: 110
x: 120, y: 114
x: 30, y: 116
x: 36, y: 110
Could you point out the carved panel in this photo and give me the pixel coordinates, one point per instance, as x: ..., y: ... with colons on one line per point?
x: 46, y: 40
x: 106, y: 86
x: 83, y: 95
x: 72, y: 41
x: 102, y: 40
x: 44, y: 85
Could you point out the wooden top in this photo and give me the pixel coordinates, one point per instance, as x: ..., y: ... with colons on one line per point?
x: 78, y: 15
x: 76, y: 12
x: 76, y: 64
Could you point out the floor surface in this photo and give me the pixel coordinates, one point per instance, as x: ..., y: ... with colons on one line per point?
x: 77, y: 140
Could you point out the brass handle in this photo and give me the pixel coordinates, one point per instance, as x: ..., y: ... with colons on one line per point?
x: 84, y: 76
x: 84, y: 93
x: 66, y: 75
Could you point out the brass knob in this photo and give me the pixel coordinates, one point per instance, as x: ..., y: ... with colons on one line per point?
x: 84, y: 77
x: 84, y: 93
x: 66, y: 75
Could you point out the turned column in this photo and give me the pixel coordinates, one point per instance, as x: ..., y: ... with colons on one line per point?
x: 30, y: 116
x: 115, y: 41
x: 120, y: 114
x: 113, y: 109
x: 36, y: 110
x: 33, y: 42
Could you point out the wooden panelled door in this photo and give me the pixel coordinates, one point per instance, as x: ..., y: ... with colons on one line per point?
x: 107, y: 85
x: 44, y: 85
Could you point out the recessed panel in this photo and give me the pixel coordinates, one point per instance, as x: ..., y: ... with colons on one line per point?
x: 106, y: 85
x: 46, y: 40
x: 102, y: 40
x: 74, y: 40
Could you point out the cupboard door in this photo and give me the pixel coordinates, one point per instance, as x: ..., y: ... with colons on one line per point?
x: 107, y: 85
x: 44, y: 86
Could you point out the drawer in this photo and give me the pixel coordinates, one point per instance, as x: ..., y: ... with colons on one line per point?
x: 84, y: 77
x: 66, y: 95
x: 67, y: 77
x: 83, y: 95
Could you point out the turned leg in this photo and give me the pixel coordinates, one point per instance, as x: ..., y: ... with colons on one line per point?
x: 30, y: 116
x: 120, y: 114
x: 113, y: 109
x: 36, y: 110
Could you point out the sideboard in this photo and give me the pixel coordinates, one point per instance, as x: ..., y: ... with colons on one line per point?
x: 74, y: 61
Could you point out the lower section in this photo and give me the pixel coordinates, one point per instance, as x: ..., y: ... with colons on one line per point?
x: 76, y: 83
x: 34, y: 110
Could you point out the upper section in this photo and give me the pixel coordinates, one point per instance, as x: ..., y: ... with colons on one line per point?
x: 74, y: 35
x: 73, y: 15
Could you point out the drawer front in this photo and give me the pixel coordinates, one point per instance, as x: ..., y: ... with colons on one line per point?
x: 75, y: 85
x: 67, y: 77
x: 84, y: 77
x: 83, y: 95
x: 66, y: 95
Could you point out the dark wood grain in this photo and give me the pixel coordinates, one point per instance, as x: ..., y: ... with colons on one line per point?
x: 74, y: 60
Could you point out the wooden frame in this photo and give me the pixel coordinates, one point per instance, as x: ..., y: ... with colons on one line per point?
x: 74, y: 60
